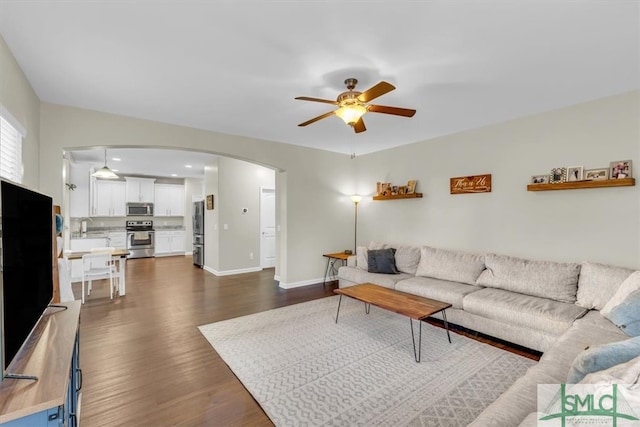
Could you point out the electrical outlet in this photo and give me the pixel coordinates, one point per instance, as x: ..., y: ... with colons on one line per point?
x: 225, y: 226
x: 250, y: 255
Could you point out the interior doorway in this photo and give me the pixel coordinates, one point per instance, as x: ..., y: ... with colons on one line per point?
x: 267, y: 227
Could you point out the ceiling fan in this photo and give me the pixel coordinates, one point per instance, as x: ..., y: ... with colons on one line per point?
x: 353, y: 105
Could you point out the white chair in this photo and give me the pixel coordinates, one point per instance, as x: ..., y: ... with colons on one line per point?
x: 97, y: 265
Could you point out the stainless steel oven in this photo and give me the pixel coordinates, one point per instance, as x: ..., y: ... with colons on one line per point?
x: 140, y: 239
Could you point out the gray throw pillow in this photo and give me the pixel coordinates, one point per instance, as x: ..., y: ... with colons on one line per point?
x: 382, y: 261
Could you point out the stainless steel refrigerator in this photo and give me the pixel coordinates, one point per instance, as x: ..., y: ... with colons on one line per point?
x: 198, y: 233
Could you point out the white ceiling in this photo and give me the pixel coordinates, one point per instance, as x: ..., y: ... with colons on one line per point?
x: 236, y: 66
x: 177, y: 164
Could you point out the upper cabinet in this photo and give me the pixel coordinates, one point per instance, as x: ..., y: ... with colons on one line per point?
x: 108, y: 198
x: 79, y: 177
x: 140, y: 190
x: 169, y: 200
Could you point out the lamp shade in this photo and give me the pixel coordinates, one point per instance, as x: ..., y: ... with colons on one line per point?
x: 105, y: 173
x: 356, y: 199
x: 351, y: 113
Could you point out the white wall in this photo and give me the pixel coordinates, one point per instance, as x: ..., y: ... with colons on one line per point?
x: 239, y: 188
x: 590, y: 224
x: 19, y: 98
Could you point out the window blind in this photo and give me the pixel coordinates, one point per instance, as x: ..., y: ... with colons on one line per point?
x: 10, y: 152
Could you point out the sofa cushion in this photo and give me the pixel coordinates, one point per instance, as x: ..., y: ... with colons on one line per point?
x: 362, y: 254
x: 629, y: 285
x: 601, y: 357
x: 450, y: 265
x: 626, y: 315
x: 598, y: 283
x: 523, y: 310
x: 441, y: 290
x: 590, y: 330
x: 382, y: 261
x: 407, y: 258
x: 356, y: 275
x: 546, y: 279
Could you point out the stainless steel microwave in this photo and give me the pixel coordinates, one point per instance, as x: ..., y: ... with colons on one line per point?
x: 139, y: 209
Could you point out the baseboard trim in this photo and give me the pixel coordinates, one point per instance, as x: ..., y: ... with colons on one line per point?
x: 303, y: 283
x: 230, y: 272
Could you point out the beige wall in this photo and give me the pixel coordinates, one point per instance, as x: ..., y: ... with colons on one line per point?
x: 315, y: 215
x: 18, y: 97
x: 235, y: 235
x: 600, y: 225
x: 318, y: 182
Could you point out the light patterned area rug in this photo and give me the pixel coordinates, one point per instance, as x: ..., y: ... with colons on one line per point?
x: 305, y: 370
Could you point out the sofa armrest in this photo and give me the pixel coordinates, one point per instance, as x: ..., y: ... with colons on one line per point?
x: 352, y: 261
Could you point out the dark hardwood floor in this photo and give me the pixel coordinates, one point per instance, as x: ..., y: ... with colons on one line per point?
x: 144, y: 361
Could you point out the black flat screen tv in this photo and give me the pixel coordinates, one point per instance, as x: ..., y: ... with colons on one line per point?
x: 26, y: 276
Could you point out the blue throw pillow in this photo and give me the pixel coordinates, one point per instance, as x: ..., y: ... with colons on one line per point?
x: 626, y: 315
x: 602, y: 357
x: 382, y: 261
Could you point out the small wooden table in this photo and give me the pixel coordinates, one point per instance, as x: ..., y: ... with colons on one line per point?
x: 413, y: 306
x: 331, y: 264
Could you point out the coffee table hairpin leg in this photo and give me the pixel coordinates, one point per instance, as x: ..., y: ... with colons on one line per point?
x: 367, y: 309
x: 416, y: 354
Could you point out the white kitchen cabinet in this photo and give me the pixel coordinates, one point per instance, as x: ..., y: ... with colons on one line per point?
x: 117, y: 239
x: 169, y: 200
x: 108, y: 198
x: 169, y: 242
x: 79, y: 176
x: 140, y: 190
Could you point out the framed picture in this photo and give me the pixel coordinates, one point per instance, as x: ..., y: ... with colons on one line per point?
x: 411, y: 186
x: 596, y: 174
x: 620, y: 169
x: 540, y: 179
x: 210, y: 202
x: 558, y: 175
x: 575, y: 173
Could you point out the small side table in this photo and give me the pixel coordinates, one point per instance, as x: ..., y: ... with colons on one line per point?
x: 332, y: 270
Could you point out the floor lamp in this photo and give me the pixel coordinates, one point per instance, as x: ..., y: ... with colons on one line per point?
x: 355, y: 199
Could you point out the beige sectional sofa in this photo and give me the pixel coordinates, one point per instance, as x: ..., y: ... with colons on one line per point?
x: 546, y: 306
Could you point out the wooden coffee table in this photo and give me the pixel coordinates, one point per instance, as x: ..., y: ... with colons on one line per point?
x: 413, y: 306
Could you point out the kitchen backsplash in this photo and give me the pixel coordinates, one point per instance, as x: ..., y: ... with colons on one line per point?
x: 120, y: 222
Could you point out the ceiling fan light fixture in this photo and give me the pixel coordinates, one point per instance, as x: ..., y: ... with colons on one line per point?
x: 105, y: 172
x: 350, y: 114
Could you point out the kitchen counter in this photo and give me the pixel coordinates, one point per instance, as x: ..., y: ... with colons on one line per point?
x: 169, y: 228
x: 96, y: 233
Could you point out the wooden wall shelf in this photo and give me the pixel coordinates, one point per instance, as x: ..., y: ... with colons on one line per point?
x: 623, y: 182
x: 399, y: 196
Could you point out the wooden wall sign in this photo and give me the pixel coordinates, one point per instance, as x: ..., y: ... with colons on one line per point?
x: 470, y: 184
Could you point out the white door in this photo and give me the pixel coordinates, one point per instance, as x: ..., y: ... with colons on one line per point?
x: 267, y: 228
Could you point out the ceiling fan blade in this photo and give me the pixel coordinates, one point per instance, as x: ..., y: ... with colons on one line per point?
x: 315, y: 119
x: 376, y: 91
x: 326, y: 101
x: 406, y: 112
x: 359, y: 126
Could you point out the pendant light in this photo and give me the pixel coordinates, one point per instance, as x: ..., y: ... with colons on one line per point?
x: 105, y: 172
